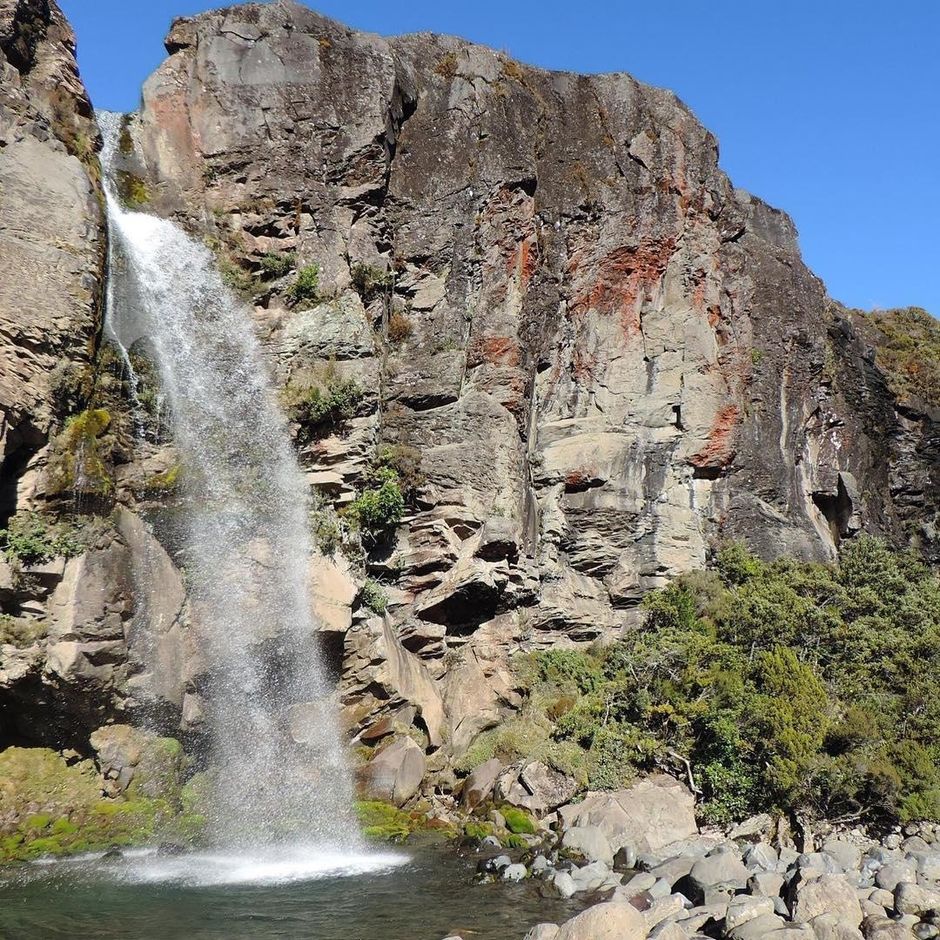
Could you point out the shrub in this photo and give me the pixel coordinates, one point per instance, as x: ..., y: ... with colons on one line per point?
x: 446, y: 65
x: 30, y: 539
x: 276, y: 264
x: 373, y: 597
x: 908, y: 350
x: 306, y: 287
x: 784, y: 685
x: 405, y: 461
x: 399, y: 327
x: 379, y: 509
x: 317, y: 408
x: 370, y: 282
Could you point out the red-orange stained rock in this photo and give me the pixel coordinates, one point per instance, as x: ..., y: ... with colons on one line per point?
x: 719, y: 451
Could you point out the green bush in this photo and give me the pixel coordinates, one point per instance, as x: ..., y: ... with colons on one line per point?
x: 276, y: 264
x: 381, y: 508
x: 370, y: 282
x: 373, y: 597
x: 30, y: 539
x: 306, y: 288
x: 318, y: 408
x: 782, y: 685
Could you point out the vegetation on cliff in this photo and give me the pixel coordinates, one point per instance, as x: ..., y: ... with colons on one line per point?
x: 908, y: 350
x: 796, y: 686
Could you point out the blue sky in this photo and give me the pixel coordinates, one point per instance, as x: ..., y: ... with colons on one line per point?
x: 829, y: 109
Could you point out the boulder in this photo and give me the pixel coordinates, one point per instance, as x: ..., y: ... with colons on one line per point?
x: 662, y: 909
x: 395, y: 773
x: 831, y: 927
x: 588, y: 842
x: 543, y: 932
x: 743, y: 909
x: 877, y: 927
x: 547, y: 788
x: 827, y: 894
x: 611, y: 920
x: 479, y: 785
x: 649, y: 815
x: 722, y: 872
x: 889, y: 876
x: 591, y: 877
x: 912, y: 898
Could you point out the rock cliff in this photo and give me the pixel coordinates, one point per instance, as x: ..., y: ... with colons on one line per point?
x: 588, y: 357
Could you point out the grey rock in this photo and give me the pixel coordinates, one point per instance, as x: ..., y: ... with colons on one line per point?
x: 743, y: 909
x: 722, y: 871
x: 827, y: 894
x: 653, y: 813
x: 889, y: 876
x: 588, y: 842
x: 913, y: 899
x: 607, y: 921
x: 515, y: 872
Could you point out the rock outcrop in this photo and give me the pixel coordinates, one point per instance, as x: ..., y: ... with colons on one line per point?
x: 586, y: 354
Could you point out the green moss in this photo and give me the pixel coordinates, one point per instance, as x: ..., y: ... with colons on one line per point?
x: 384, y: 822
x: 78, y: 463
x: 516, y: 841
x: 477, y: 831
x: 133, y: 190
x: 518, y: 820
x: 163, y: 483
x: 49, y: 807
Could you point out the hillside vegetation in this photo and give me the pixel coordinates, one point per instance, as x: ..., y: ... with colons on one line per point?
x: 787, y: 685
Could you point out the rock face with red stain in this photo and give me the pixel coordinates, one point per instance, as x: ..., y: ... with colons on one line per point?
x: 599, y: 357
x: 597, y: 345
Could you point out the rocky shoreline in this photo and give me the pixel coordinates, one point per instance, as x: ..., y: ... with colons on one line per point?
x: 654, y: 874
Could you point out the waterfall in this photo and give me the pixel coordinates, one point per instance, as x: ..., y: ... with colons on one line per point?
x: 276, y: 756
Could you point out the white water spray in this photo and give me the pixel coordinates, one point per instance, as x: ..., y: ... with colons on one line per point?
x: 280, y: 770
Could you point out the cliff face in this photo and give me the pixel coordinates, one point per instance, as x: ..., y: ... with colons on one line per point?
x: 51, y: 237
x: 597, y: 356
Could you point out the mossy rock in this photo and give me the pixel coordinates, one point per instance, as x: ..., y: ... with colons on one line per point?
x: 78, y: 464
x: 518, y: 821
x: 49, y: 807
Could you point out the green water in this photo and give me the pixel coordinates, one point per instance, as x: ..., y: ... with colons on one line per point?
x: 421, y: 895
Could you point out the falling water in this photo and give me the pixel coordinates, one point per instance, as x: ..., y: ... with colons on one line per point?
x: 276, y: 750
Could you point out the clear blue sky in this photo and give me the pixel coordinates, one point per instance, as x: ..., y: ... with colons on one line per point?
x: 829, y: 109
